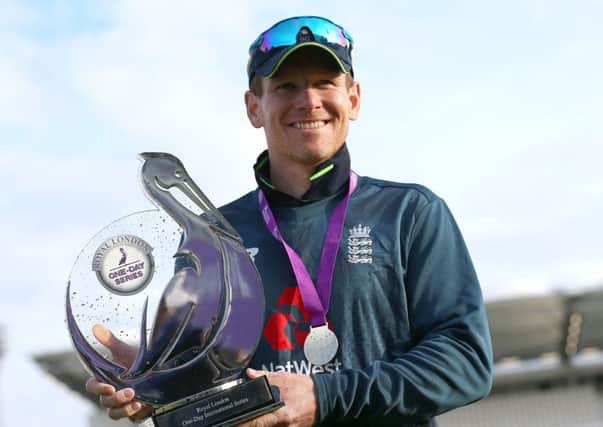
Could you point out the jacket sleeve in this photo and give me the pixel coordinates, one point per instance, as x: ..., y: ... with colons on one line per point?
x: 450, y: 362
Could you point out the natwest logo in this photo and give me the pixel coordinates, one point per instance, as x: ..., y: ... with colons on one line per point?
x: 288, y: 328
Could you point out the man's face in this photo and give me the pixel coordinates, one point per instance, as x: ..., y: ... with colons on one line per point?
x: 305, y: 110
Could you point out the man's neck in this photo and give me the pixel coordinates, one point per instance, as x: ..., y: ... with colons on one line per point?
x: 290, y: 177
x: 285, y: 180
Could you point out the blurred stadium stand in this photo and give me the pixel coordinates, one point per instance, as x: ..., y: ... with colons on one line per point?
x: 548, y: 364
x: 548, y: 372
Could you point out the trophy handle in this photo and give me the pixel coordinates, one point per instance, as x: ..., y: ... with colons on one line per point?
x: 96, y: 362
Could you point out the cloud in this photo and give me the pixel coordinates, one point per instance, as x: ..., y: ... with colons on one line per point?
x: 565, y: 276
x: 22, y: 97
x: 172, y: 79
x: 50, y: 186
x: 160, y: 67
x: 15, y: 15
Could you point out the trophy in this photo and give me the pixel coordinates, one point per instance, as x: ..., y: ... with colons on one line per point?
x: 182, y: 302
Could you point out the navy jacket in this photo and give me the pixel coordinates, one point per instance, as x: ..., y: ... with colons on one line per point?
x: 406, y: 304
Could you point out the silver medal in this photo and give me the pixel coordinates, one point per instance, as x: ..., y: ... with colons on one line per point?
x: 321, y: 345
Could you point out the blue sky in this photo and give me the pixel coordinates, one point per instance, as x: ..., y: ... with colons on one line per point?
x: 496, y: 106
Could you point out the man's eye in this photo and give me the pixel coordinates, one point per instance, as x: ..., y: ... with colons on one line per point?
x: 323, y: 83
x: 285, y: 86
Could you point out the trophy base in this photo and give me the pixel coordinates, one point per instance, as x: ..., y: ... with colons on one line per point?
x: 242, y: 402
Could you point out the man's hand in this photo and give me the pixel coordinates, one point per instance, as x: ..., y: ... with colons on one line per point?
x: 120, y: 403
x: 123, y: 354
x: 297, y: 391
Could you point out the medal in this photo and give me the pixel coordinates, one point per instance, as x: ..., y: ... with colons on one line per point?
x: 321, y: 345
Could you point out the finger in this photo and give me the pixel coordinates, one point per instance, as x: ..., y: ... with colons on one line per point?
x: 145, y: 412
x: 266, y: 420
x: 105, y: 337
x: 117, y: 400
x: 274, y: 378
x: 252, y: 373
x: 95, y: 386
x: 128, y: 410
x: 122, y: 353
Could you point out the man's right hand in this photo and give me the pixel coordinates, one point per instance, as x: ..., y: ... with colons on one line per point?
x: 119, y: 403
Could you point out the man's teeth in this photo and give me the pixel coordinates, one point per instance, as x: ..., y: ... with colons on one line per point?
x: 309, y: 125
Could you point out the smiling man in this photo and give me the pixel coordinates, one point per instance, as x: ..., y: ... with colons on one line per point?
x: 305, y: 110
x: 374, y: 311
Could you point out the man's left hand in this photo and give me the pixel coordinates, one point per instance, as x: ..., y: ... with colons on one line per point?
x: 299, y: 396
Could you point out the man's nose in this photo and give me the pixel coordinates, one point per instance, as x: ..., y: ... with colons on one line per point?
x: 309, y: 98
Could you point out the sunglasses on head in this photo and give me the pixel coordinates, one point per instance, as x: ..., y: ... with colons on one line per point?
x: 288, y: 33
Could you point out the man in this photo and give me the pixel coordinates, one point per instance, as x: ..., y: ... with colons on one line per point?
x: 381, y: 322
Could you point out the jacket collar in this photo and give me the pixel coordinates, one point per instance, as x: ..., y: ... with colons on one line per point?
x: 328, y: 179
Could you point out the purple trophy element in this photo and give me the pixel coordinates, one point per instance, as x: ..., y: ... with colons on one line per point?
x: 124, y: 256
x: 210, y: 315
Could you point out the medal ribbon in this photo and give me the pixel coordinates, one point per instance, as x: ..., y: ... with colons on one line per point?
x: 316, y: 298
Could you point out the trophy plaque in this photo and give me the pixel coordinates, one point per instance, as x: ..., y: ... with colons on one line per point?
x: 182, y: 302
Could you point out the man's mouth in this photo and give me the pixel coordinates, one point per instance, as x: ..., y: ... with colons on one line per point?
x: 314, y: 124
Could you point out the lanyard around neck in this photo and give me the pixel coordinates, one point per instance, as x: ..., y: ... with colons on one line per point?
x: 316, y: 298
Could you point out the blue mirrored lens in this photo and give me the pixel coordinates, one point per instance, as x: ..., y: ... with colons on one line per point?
x: 285, y: 33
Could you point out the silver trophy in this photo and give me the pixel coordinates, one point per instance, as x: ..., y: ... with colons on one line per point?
x: 182, y: 302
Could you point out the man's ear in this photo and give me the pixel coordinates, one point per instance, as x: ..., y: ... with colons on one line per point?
x: 354, y: 96
x: 252, y: 102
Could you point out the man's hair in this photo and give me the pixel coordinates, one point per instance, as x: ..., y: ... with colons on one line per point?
x: 308, y: 55
x: 255, y: 86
